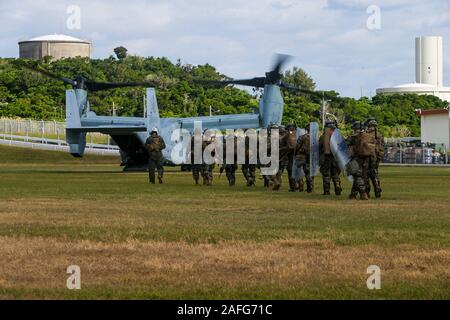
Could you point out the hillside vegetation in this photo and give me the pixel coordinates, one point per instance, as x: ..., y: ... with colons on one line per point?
x: 26, y: 94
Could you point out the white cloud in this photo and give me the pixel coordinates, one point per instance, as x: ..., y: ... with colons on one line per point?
x: 329, y: 39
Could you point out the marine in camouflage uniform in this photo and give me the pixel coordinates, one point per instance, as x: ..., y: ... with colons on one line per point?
x: 155, y: 144
x: 302, y: 155
x: 248, y: 169
x: 196, y: 167
x: 287, y: 144
x: 207, y: 169
x: 328, y: 166
x: 290, y: 141
x: 276, y: 179
x: 372, y: 125
x: 266, y: 178
x: 230, y: 168
x: 270, y: 180
x: 354, y: 167
x: 365, y: 149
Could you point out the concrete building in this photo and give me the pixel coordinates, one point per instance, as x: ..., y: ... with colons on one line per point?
x: 57, y: 46
x: 435, y: 126
x: 429, y: 71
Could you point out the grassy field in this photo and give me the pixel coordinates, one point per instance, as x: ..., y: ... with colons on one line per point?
x: 181, y: 241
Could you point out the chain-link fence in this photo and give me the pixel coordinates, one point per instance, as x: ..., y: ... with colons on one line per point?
x: 44, y: 129
x: 413, y: 151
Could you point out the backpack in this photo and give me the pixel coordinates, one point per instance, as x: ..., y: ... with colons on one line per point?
x: 326, y: 137
x: 352, y: 168
x: 305, y: 144
x: 367, y: 145
x: 291, y: 139
x: 155, y: 144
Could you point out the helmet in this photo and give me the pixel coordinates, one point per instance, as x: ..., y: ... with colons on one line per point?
x: 290, y: 127
x: 356, y: 125
x: 331, y: 124
x: 308, y: 127
x: 371, y: 122
x: 154, y: 130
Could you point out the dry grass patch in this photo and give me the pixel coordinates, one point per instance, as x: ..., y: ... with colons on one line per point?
x: 41, y: 263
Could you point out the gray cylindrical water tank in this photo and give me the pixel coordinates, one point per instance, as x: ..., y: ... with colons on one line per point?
x: 56, y: 46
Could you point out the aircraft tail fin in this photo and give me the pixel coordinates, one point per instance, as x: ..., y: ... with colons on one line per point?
x: 76, y: 101
x: 153, y: 120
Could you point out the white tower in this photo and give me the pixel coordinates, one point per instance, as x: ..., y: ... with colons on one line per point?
x: 429, y: 66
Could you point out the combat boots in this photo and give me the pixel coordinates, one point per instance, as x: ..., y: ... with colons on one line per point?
x: 291, y: 185
x: 337, y: 187
x: 300, y: 185
x: 376, y: 185
x: 368, y: 188
x: 208, y: 178
x: 275, y: 181
x: 151, y: 178
x: 309, y: 186
x: 326, y: 186
x: 364, y: 196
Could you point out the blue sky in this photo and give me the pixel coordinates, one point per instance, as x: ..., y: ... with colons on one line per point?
x: 329, y: 39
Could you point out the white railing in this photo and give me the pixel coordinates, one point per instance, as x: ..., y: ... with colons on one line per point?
x: 49, y: 135
x: 43, y: 129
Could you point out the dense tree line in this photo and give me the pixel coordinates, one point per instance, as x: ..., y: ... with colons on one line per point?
x: 27, y: 94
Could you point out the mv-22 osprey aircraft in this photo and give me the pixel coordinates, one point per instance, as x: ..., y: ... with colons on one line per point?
x: 130, y: 133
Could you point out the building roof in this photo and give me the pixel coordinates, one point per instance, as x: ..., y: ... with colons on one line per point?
x: 414, y: 88
x: 56, y: 38
x: 414, y: 85
x: 432, y: 112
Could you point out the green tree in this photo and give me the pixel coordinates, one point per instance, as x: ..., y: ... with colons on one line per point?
x: 121, y: 52
x: 298, y: 77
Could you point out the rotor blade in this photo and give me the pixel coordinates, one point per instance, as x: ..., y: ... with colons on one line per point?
x: 281, y: 60
x: 47, y: 73
x: 320, y: 94
x: 83, y: 83
x: 99, y: 86
x: 254, y: 82
x: 275, y: 75
x: 297, y: 89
